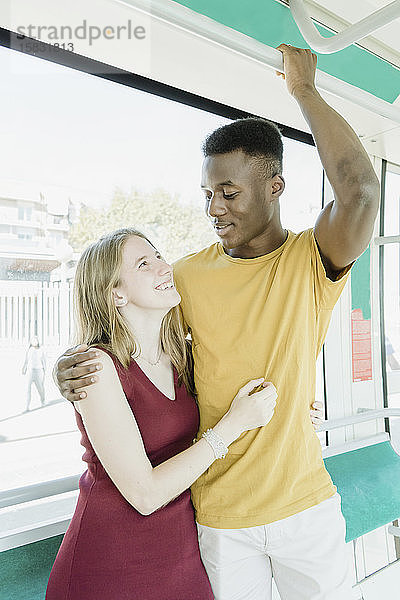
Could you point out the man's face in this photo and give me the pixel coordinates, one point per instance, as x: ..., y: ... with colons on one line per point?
x: 239, y: 200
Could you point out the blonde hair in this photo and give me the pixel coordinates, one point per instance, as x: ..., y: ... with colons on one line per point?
x: 98, y: 321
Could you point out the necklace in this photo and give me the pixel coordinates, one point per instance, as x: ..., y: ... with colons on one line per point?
x: 153, y: 364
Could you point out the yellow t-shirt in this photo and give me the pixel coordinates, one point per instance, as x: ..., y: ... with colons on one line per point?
x: 250, y: 318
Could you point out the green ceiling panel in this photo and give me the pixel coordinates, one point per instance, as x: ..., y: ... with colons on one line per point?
x: 271, y: 23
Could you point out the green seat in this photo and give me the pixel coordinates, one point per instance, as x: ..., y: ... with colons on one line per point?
x: 366, y: 473
x: 368, y: 480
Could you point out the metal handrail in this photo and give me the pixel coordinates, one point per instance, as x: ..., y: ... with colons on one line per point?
x: 367, y: 415
x: 353, y: 33
x: 63, y: 485
x: 40, y: 490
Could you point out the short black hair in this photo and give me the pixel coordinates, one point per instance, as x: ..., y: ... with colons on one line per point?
x: 257, y: 137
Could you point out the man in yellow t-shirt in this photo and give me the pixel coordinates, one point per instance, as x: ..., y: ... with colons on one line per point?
x: 258, y: 303
x: 263, y: 316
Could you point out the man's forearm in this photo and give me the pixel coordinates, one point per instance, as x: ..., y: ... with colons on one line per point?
x: 343, y: 157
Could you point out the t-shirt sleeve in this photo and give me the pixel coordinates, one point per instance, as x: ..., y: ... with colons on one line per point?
x: 326, y: 291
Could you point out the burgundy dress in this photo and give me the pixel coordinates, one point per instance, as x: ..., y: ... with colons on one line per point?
x: 112, y: 552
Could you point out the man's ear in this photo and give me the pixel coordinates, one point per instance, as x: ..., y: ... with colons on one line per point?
x: 119, y: 299
x: 277, y: 186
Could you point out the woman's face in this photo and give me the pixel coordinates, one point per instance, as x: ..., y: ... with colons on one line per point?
x: 146, y: 280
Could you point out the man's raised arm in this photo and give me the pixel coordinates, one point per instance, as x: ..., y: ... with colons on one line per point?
x: 344, y: 227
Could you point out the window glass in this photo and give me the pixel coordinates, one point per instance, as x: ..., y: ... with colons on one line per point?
x: 95, y: 156
x: 392, y: 320
x: 301, y: 200
x: 392, y: 201
x: 391, y: 292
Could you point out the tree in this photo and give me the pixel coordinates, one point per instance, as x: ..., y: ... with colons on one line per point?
x: 174, y: 227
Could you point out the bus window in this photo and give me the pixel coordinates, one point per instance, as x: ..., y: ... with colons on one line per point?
x: 96, y: 156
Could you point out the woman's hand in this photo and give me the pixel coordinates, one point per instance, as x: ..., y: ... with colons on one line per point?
x: 317, y: 415
x: 250, y: 409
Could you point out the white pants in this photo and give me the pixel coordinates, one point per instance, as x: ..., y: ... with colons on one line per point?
x: 35, y: 376
x: 305, y: 553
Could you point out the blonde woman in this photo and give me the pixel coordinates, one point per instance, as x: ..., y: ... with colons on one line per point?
x: 133, y: 534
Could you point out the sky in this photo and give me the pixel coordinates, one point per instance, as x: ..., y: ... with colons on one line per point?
x: 75, y: 130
